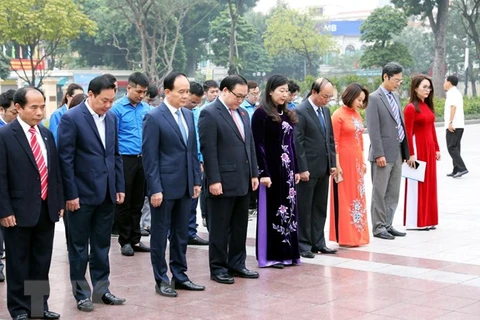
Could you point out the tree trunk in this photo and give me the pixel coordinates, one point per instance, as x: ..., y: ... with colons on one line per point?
x: 192, y: 60
x: 439, y: 28
x: 232, y: 67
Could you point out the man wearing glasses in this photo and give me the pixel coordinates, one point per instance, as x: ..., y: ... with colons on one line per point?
x: 251, y: 100
x: 316, y: 162
x: 388, y: 149
x: 230, y: 165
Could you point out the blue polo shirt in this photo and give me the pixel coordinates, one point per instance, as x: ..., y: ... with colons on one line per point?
x: 55, y: 120
x: 249, y: 107
x: 130, y: 121
x: 196, y: 115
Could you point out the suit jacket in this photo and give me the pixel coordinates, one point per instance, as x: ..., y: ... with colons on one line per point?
x: 20, y: 180
x: 170, y: 165
x: 383, y: 128
x: 315, y: 148
x: 90, y: 171
x: 227, y: 157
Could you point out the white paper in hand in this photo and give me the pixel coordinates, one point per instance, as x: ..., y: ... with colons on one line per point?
x: 417, y: 174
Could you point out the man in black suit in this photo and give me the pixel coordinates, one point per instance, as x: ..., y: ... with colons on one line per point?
x: 316, y: 162
x: 92, y: 173
x: 170, y: 158
x: 31, y: 201
x: 230, y: 164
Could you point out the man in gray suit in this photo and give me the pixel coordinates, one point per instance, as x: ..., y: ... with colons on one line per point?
x: 315, y: 150
x: 388, y: 149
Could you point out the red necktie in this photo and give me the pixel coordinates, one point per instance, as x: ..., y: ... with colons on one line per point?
x: 42, y: 167
x: 232, y: 112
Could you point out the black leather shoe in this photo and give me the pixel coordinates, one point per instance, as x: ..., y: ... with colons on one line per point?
x: 244, y: 273
x: 326, y: 250
x: 197, y: 241
x: 459, y: 174
x: 22, y: 316
x: 85, y: 305
x: 165, y: 290
x: 451, y: 174
x: 384, y: 235
x: 127, y: 250
x: 396, y: 233
x: 187, y: 285
x: 140, y: 247
x: 224, y: 278
x: 110, y: 299
x: 307, y: 254
x: 277, y: 266
x: 47, y: 315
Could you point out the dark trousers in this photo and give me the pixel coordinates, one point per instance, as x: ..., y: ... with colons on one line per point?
x: 203, y: 198
x: 192, y: 220
x: 312, y: 212
x: 170, y: 215
x: 29, y: 252
x: 90, y: 224
x: 253, y: 200
x: 228, y: 222
x: 1, y: 247
x: 454, y: 145
x: 129, y: 213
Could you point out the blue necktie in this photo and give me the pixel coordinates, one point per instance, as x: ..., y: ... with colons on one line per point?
x: 396, y: 114
x: 322, y: 120
x: 181, y: 126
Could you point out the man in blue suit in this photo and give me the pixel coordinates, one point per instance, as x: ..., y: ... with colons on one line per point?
x: 172, y: 172
x: 31, y: 201
x: 93, y: 183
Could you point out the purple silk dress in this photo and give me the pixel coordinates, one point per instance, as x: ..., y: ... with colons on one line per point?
x: 277, y: 235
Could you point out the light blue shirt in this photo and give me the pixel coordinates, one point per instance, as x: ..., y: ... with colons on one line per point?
x: 249, y: 107
x: 196, y: 114
x: 55, y: 120
x: 130, y: 122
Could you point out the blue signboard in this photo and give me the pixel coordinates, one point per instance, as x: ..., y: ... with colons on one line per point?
x: 83, y: 79
x: 343, y: 28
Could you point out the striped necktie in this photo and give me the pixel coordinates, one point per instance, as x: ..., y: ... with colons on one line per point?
x: 396, y: 114
x: 239, y: 127
x: 41, y: 165
x: 183, y: 131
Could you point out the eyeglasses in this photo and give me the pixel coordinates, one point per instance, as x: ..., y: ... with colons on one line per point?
x: 238, y: 96
x: 427, y: 88
x: 327, y: 96
x: 254, y: 94
x: 396, y: 80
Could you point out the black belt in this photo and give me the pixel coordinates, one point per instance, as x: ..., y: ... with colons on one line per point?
x: 132, y: 155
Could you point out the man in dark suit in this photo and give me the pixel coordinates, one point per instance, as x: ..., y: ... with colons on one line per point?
x: 316, y: 162
x: 388, y: 150
x: 230, y: 164
x: 31, y: 201
x: 172, y: 170
x: 93, y: 183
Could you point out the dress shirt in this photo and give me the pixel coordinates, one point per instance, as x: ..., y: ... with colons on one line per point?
x: 237, y: 115
x: 196, y: 115
x: 174, y: 115
x: 55, y: 120
x: 130, y: 125
x: 454, y: 98
x: 2, y: 122
x: 99, y: 122
x: 26, y: 127
x: 249, y: 107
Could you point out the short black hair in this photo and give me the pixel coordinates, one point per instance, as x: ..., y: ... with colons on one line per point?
x: 252, y: 84
x: 20, y: 95
x: 76, y: 100
x: 293, y: 86
x: 391, y: 69
x: 169, y: 81
x: 152, y: 91
x: 6, y: 99
x: 453, y: 79
x: 231, y: 81
x: 103, y: 82
x: 138, y: 78
x: 196, y: 89
x: 110, y: 77
x: 209, y: 84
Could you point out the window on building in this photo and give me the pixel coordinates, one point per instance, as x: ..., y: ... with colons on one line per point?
x: 350, y: 50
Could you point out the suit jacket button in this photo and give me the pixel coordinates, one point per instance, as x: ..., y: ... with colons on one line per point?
x: 246, y: 161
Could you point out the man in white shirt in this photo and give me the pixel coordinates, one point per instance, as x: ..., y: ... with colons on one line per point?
x: 455, y: 122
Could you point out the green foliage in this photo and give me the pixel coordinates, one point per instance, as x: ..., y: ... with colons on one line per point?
x: 416, y: 7
x: 471, y: 107
x: 378, y: 31
x: 419, y: 42
x: 252, y: 57
x: 290, y: 31
x: 4, y: 68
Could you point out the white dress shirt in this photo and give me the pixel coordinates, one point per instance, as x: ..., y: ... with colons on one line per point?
x: 99, y: 122
x: 41, y: 142
x: 173, y: 110
x: 454, y: 98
